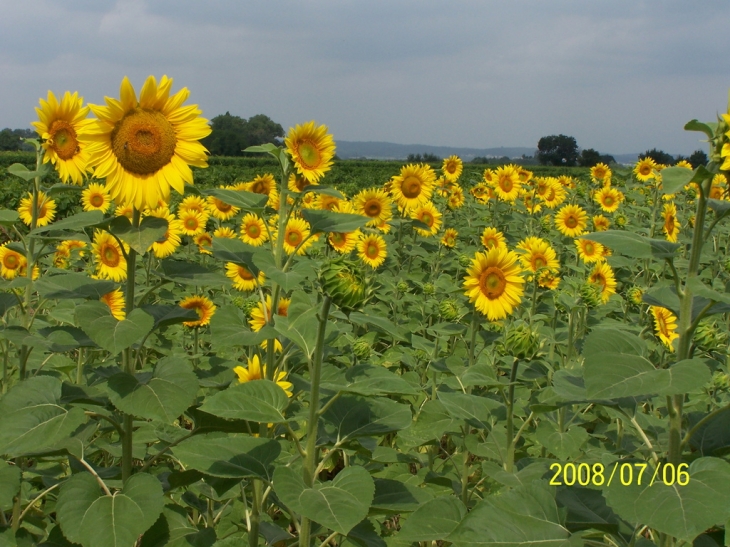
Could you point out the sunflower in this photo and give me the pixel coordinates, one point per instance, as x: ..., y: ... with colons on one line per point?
x: 254, y: 371
x: 602, y: 275
x: 566, y: 181
x: 548, y: 280
x: 488, y: 177
x: 449, y: 238
x: 665, y: 324
x: 64, y: 130
x: 65, y: 251
x: 260, y: 315
x: 194, y: 203
x: 528, y: 199
x: 261, y: 184
x: 452, y: 168
x: 600, y: 223
x: 685, y: 164
x: 12, y: 263
x: 524, y: 175
x: 644, y: 169
x: 312, y: 150
x: 413, y: 186
x: 124, y: 211
x: 204, y: 241
x: 718, y: 187
x: 374, y: 204
x: 494, y: 283
x: 202, y: 306
x: 110, y: 260
x: 61, y: 257
x: 609, y: 198
x: 537, y: 254
x: 571, y: 220
x: 225, y: 232
x: 192, y: 223
x: 253, y: 230
x: 455, y: 198
x: 493, y: 238
x: 297, y: 183
x: 589, y: 251
x: 428, y: 215
x: 166, y: 245
x: 296, y: 236
x: 600, y: 172
x: 243, y: 279
x: 96, y: 198
x: 326, y: 203
x: 115, y: 301
x: 46, y: 210
x: 481, y: 193
x: 344, y: 242
x: 372, y: 250
x: 147, y: 146
x: 220, y: 209
x: 507, y: 183
x: 555, y: 194
x: 671, y: 225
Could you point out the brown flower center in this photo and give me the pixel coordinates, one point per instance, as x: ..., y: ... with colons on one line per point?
x: 411, y: 187
x: 373, y: 208
x: 143, y: 141
x: 110, y: 256
x: 492, y: 282
x: 309, y: 154
x: 96, y: 200
x: 63, y: 139
x: 244, y: 274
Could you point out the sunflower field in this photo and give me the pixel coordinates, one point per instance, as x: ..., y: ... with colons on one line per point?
x: 426, y: 360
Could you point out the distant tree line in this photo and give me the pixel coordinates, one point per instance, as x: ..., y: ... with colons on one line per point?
x: 11, y: 140
x: 423, y: 158
x: 232, y: 134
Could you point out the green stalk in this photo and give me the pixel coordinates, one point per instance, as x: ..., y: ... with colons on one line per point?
x: 253, y: 532
x: 128, y: 361
x: 310, y: 459
x: 510, y: 460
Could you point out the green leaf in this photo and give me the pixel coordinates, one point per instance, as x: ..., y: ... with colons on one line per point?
x: 9, y: 485
x: 112, y: 335
x: 229, y: 455
x: 246, y: 201
x: 66, y: 338
x: 300, y: 325
x: 238, y: 252
x: 432, y: 422
x: 73, y: 223
x: 230, y: 328
x: 381, y: 323
x: 372, y: 380
x: 463, y: 406
x: 720, y: 207
x: 524, y: 516
x: 339, y: 505
x: 587, y: 509
x: 706, y: 128
x: 675, y: 178
x: 165, y: 315
x: 21, y: 171
x: 713, y: 437
x: 32, y: 419
x: 162, y: 396
x: 95, y: 520
x: 322, y: 189
x: 364, y: 535
x: 74, y: 285
x: 350, y: 417
x: 434, y: 520
x: 173, y: 529
x: 289, y: 280
x: 564, y: 445
x: 140, y: 239
x: 191, y: 273
x: 267, y: 148
x: 329, y: 221
x: 633, y: 245
x: 680, y: 511
x: 256, y: 401
x: 698, y: 288
x: 398, y: 497
x: 8, y: 217
x: 7, y: 301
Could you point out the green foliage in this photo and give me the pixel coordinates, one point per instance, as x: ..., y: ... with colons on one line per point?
x: 232, y: 134
x: 557, y: 150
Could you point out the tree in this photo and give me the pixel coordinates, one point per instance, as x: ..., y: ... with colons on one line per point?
x: 232, y: 134
x: 659, y: 156
x: 425, y: 158
x: 589, y: 157
x: 697, y: 158
x: 10, y: 139
x: 557, y: 150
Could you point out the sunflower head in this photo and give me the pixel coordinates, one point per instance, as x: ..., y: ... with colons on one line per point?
x: 452, y: 168
x: 413, y: 186
x: 344, y: 282
x: 372, y: 250
x: 311, y: 149
x: 202, y: 306
x: 46, y: 209
x: 494, y: 282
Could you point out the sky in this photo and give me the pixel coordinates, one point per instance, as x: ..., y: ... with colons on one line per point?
x: 619, y: 76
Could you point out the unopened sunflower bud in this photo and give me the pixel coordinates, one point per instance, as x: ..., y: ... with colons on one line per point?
x: 345, y: 283
x: 361, y: 349
x: 621, y: 221
x: 429, y: 289
x: 449, y: 310
x: 546, y: 222
x: 634, y: 295
x: 590, y: 295
x: 720, y: 380
x: 464, y: 261
x: 709, y: 337
x: 247, y: 305
x: 402, y: 287
x: 521, y: 342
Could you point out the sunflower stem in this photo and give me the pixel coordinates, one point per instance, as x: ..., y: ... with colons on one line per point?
x: 255, y: 518
x: 510, y: 459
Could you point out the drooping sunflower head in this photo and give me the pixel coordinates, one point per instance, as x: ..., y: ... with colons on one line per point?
x: 46, y: 209
x: 428, y: 215
x: 671, y: 225
x: 64, y: 129
x: 589, y: 251
x: 202, y: 306
x: 253, y: 230
x: 110, y: 260
x: 372, y: 250
x: 571, y: 220
x: 375, y: 204
x: 413, y: 186
x: 311, y: 149
x: 494, y: 283
x: 452, y: 168
x: 243, y: 279
x: 665, y: 325
x: 96, y: 198
x: 115, y: 301
x: 145, y: 147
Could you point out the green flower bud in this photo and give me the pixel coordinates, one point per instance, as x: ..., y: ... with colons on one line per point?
x: 621, y: 221
x: 402, y: 287
x: 709, y: 337
x: 345, y: 283
x: 634, y: 295
x: 590, y: 295
x: 521, y: 342
x: 429, y: 289
x: 464, y: 261
x: 546, y: 222
x: 449, y: 310
x: 361, y: 349
x: 247, y: 305
x: 421, y: 355
x: 720, y: 380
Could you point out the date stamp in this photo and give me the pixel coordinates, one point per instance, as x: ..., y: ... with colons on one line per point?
x: 626, y: 473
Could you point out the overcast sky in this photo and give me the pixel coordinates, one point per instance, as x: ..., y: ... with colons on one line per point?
x: 619, y: 76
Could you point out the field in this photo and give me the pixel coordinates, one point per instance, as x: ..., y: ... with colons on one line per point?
x: 381, y: 354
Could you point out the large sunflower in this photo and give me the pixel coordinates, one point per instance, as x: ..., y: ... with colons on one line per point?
x: 430, y: 216
x: 671, y: 225
x: 452, y: 168
x: 413, y: 186
x: 494, y: 283
x: 147, y: 146
x: 312, y: 150
x: 110, y: 261
x: 254, y: 371
x: 243, y: 279
x: 493, y: 238
x: 96, y: 198
x: 253, y: 230
x: 372, y: 250
x: 506, y: 183
x: 537, y: 254
x: 644, y: 169
x: 64, y: 130
x: 602, y: 275
x: 12, y: 263
x: 374, y: 204
x: 665, y: 325
x: 46, y: 210
x: 202, y: 306
x: 555, y: 193
x: 571, y: 220
x: 609, y: 198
